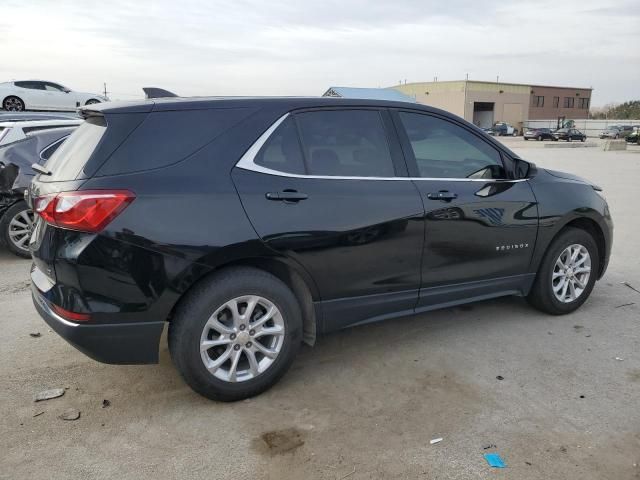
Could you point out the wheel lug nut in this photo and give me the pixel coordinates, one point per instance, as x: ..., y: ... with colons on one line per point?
x: 236, y: 347
x: 252, y: 332
x: 232, y: 336
x: 248, y: 345
x: 242, y: 327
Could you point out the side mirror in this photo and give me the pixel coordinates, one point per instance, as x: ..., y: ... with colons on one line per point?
x: 524, y: 169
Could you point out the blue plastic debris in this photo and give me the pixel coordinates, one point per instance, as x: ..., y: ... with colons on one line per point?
x: 494, y: 460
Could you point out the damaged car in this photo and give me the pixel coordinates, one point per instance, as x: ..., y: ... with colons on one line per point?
x: 16, y: 172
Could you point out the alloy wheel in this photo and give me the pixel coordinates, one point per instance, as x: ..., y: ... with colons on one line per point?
x: 571, y: 273
x: 20, y: 227
x: 13, y: 104
x: 242, y: 338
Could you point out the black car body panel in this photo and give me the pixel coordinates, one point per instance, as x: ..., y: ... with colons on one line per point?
x: 363, y: 249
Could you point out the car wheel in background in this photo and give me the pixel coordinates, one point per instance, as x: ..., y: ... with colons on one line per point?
x: 525, y: 138
x: 15, y: 227
x: 539, y: 138
x: 515, y: 132
x: 583, y: 139
x: 235, y: 334
x: 13, y: 104
x: 92, y: 101
x: 567, y: 273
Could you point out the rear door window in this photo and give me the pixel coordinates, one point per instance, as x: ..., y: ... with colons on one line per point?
x: 346, y: 143
x: 30, y: 85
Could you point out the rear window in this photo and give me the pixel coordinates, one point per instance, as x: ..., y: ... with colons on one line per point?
x: 67, y: 162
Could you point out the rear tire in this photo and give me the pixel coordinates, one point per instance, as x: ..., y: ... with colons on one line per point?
x: 13, y: 104
x: 203, y: 316
x: 539, y: 138
x: 15, y: 229
x: 543, y: 293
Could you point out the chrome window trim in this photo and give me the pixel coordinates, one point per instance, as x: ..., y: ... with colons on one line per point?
x: 246, y: 162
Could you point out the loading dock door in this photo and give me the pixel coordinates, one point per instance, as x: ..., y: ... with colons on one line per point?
x: 483, y: 114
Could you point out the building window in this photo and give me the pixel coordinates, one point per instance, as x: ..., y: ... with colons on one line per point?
x: 556, y: 102
x: 569, y: 102
x: 538, y: 101
x: 584, y: 103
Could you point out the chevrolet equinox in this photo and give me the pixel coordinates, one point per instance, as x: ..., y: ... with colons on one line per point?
x: 252, y: 225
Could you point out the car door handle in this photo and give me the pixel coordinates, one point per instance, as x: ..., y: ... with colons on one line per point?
x: 287, y: 196
x: 442, y: 195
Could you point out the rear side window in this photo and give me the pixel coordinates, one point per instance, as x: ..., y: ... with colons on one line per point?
x: 67, y: 162
x: 282, y: 151
x: 349, y: 143
x: 165, y: 138
x: 443, y: 149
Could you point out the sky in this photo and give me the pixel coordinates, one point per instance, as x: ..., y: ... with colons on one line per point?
x: 250, y: 47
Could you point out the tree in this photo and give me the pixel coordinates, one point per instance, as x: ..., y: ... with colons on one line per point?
x: 624, y: 111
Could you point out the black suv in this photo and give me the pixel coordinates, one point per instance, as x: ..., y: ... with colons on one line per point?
x: 252, y: 225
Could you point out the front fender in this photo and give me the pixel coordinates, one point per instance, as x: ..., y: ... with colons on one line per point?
x: 564, y: 201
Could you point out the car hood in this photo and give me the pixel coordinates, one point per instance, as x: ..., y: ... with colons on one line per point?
x: 571, y: 176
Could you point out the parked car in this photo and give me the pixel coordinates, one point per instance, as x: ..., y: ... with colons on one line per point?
x: 16, y: 172
x: 501, y: 129
x: 30, y: 116
x: 273, y: 221
x: 14, y: 131
x: 569, y: 134
x: 610, y: 132
x: 633, y: 136
x: 538, y: 134
x: 43, y: 95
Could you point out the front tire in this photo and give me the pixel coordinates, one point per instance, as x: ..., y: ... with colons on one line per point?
x: 13, y: 104
x: 567, y: 273
x: 15, y: 229
x: 236, y: 334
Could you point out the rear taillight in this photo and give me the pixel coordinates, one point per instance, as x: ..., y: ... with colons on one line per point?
x: 68, y: 315
x: 86, y: 211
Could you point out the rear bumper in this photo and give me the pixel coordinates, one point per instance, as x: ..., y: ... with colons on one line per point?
x: 121, y: 343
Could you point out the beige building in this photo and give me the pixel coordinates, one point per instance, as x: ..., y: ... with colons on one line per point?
x: 485, y: 103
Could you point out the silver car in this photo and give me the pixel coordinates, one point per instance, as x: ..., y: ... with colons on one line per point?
x: 611, y: 132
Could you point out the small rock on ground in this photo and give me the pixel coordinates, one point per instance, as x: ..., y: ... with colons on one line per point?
x: 70, y: 414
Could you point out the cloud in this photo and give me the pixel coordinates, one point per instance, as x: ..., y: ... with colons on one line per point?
x: 246, y: 47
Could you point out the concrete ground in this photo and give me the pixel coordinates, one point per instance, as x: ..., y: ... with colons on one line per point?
x: 364, y: 403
